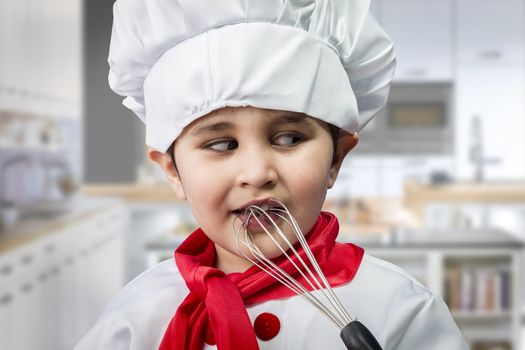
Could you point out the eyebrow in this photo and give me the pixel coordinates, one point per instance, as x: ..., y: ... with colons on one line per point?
x: 292, y: 119
x: 220, y: 126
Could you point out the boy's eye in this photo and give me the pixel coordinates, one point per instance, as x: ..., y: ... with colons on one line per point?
x: 222, y: 145
x: 287, y: 139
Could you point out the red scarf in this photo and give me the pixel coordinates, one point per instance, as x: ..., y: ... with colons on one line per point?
x: 219, y: 300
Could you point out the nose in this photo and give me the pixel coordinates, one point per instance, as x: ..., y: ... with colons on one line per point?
x: 257, y: 168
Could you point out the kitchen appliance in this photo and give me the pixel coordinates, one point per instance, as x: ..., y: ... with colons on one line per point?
x: 416, y: 120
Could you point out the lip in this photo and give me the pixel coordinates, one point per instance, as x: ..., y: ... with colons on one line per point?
x: 253, y: 225
x: 257, y: 202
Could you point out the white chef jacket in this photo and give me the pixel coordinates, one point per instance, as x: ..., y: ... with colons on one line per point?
x: 400, y: 312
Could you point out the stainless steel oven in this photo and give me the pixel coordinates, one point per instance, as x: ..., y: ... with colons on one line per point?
x: 417, y: 120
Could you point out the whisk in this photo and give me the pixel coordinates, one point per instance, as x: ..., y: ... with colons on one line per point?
x: 353, y: 333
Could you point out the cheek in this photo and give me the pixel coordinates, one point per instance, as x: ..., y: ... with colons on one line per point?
x: 312, y: 173
x: 204, y: 193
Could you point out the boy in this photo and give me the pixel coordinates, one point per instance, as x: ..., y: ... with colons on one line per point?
x: 246, y: 102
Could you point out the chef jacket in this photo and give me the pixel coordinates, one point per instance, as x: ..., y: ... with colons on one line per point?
x: 400, y: 312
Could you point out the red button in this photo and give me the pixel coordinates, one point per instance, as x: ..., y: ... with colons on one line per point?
x: 266, y: 326
x: 209, y: 338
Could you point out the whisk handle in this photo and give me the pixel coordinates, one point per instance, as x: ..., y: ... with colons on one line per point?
x: 357, y: 337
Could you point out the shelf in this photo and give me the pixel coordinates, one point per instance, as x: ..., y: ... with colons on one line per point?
x: 32, y: 149
x: 481, y: 315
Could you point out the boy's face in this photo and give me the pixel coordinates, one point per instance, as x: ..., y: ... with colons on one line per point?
x: 234, y: 156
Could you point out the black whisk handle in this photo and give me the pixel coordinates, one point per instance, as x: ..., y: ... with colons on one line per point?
x: 357, y: 337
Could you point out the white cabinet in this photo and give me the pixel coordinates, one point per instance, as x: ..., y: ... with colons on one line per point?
x: 41, y: 57
x: 490, y: 31
x: 54, y: 288
x: 491, y: 87
x: 497, y: 97
x: 422, y: 35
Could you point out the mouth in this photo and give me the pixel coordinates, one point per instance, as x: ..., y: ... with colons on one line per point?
x: 257, y: 215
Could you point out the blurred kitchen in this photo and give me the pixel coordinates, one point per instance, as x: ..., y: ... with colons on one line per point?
x: 436, y: 184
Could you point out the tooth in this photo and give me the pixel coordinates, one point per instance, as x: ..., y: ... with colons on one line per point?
x: 265, y: 207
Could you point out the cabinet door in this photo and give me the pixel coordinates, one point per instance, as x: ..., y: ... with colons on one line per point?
x: 421, y: 32
x: 496, y: 97
x: 7, y: 311
x: 3, y: 49
x: 490, y: 31
x: 8, y: 51
x: 7, y: 295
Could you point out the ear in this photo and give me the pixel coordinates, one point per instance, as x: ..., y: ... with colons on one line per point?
x: 345, y: 143
x: 163, y: 159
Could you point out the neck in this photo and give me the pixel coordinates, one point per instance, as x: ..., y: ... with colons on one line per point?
x: 228, y: 262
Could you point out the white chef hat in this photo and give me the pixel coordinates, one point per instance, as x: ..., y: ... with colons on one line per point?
x: 177, y: 60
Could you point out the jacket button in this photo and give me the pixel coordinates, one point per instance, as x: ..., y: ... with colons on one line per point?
x: 266, y: 326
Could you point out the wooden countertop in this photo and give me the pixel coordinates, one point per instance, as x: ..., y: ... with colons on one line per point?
x: 29, y: 229
x: 132, y: 192
x: 418, y: 196
x: 467, y: 192
x: 367, y: 218
x: 455, y: 192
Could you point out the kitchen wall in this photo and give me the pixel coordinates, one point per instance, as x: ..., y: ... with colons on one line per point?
x: 114, y: 137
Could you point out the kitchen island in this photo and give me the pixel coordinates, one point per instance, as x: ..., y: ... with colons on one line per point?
x: 477, y: 272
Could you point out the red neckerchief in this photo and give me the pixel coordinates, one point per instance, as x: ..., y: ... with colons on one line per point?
x: 219, y: 300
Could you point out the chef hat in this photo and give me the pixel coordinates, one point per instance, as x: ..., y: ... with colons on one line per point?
x: 177, y: 60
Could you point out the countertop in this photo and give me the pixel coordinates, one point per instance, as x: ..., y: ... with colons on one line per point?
x: 36, y: 226
x: 511, y: 191
x: 133, y: 192
x: 368, y: 215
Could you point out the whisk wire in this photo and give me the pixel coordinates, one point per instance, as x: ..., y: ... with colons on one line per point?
x: 276, y: 272
x: 321, y: 296
x: 327, y: 290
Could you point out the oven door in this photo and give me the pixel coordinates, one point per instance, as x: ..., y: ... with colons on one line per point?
x: 416, y: 120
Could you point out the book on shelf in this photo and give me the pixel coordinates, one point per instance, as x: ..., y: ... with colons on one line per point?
x: 491, y: 345
x: 477, y: 289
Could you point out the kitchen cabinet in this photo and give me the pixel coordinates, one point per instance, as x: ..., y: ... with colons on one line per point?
x: 490, y: 31
x: 490, y: 89
x: 485, y: 307
x: 495, y: 96
x: 54, y: 287
x: 41, y: 57
x: 422, y: 33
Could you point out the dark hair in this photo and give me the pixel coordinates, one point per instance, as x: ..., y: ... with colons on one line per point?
x: 334, y: 132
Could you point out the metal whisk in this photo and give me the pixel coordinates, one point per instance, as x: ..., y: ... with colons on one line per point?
x: 321, y: 296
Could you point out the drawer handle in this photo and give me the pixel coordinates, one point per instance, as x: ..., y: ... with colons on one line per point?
x: 6, y: 299
x: 27, y: 287
x: 416, y: 72
x: 49, y: 248
x: 43, y: 277
x: 490, y: 54
x: 27, y: 260
x: 6, y: 270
